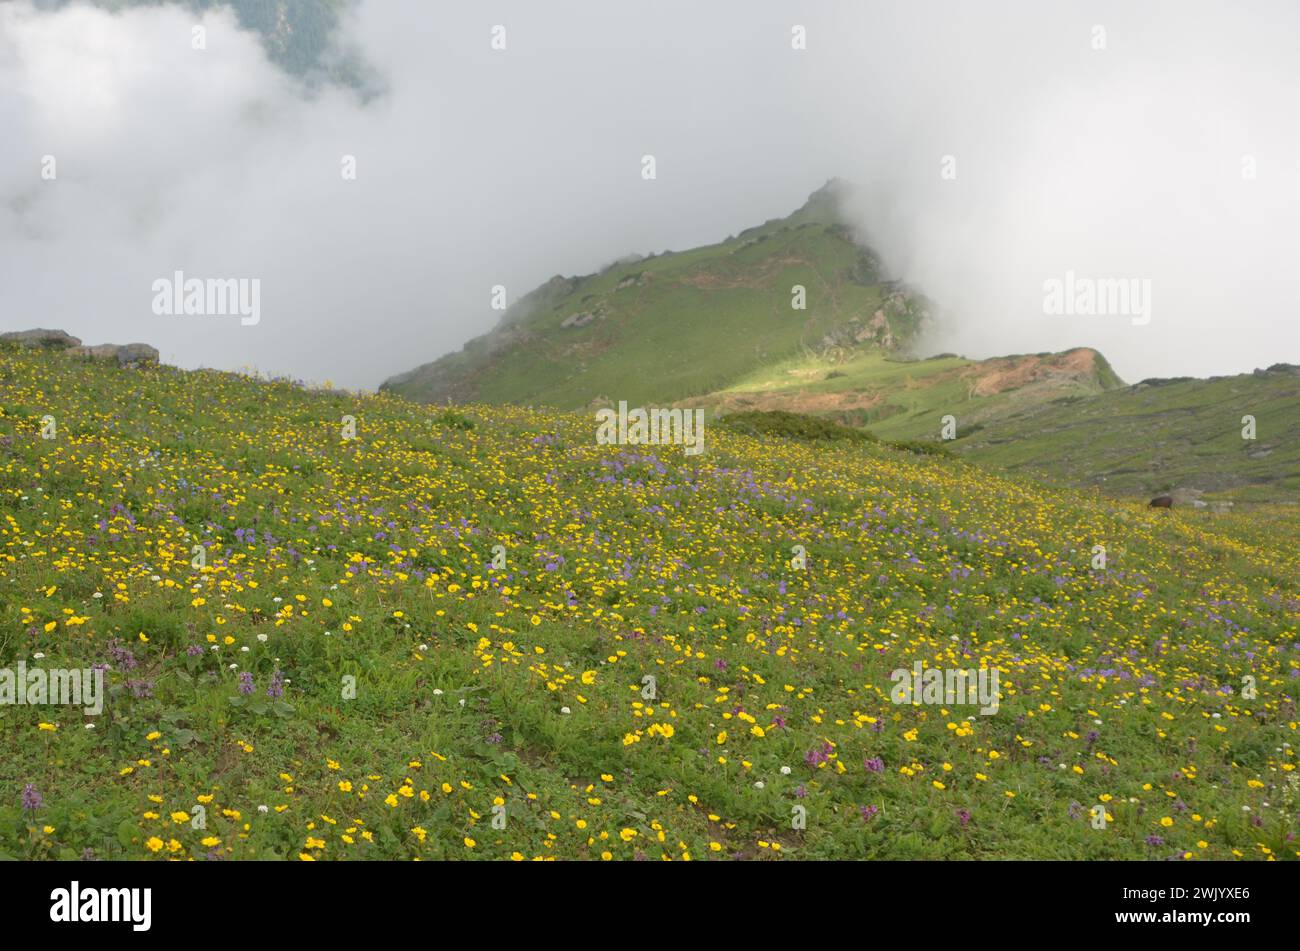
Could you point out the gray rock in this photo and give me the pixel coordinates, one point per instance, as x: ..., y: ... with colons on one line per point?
x: 1285, y: 368
x: 579, y: 320
x: 130, y: 354
x: 137, y: 353
x: 41, y: 338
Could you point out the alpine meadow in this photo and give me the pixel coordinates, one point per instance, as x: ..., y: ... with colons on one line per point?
x: 761, y: 432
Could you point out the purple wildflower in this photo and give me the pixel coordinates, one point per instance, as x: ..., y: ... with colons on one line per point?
x: 121, y: 656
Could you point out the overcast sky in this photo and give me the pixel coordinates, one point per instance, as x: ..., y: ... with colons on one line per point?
x: 478, y: 167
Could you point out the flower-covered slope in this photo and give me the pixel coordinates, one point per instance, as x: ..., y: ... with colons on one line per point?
x: 315, y: 649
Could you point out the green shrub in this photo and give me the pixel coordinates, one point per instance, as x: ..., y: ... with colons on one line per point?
x: 793, y: 426
x: 920, y: 448
x: 454, y: 420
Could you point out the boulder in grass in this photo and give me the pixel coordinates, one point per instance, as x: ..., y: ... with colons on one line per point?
x: 130, y: 354
x: 40, y: 338
x: 579, y: 320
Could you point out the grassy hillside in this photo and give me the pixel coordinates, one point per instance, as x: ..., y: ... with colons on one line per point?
x: 903, y: 397
x: 714, y: 327
x: 1063, y: 417
x: 677, y: 325
x: 1161, y: 435
x: 521, y: 692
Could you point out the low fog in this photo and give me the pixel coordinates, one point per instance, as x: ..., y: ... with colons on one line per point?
x: 994, y: 147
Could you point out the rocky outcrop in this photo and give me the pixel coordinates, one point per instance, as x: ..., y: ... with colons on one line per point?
x: 1001, y: 374
x: 581, y: 319
x: 40, y: 338
x: 128, y: 354
x: 877, y: 331
x: 1185, y: 495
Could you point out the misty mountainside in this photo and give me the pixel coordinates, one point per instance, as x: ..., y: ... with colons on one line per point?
x: 717, y: 327
x: 678, y: 325
x: 298, y: 35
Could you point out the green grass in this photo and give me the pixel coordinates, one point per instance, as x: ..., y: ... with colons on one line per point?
x: 1089, y: 431
x: 1149, y: 439
x: 793, y: 426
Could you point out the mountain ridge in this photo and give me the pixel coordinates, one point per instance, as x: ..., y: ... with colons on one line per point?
x: 718, y: 327
x: 620, y: 314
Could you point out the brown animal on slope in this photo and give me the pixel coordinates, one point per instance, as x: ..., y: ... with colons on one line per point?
x: 1162, y: 502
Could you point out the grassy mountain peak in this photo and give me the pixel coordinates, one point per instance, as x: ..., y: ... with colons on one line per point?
x: 677, y: 325
x: 720, y: 327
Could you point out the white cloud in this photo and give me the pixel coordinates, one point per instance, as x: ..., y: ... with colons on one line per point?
x: 481, y: 167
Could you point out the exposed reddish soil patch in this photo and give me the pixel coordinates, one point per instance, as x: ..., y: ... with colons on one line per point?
x: 1010, y: 373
